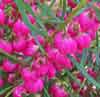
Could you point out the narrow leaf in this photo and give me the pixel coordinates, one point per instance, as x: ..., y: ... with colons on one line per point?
x: 84, y: 57
x: 5, y: 89
x: 83, y: 71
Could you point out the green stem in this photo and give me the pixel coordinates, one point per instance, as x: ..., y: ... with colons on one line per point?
x: 9, y: 93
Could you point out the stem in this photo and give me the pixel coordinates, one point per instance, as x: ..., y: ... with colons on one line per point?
x: 9, y: 93
x: 13, y: 58
x: 74, y: 11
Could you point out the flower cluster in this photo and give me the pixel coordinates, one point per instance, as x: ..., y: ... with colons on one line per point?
x: 16, y: 39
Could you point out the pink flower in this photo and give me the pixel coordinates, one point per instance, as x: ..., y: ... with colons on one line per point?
x: 34, y: 86
x: 51, y: 71
x: 2, y: 17
x: 18, y: 91
x: 20, y: 45
x: 58, y: 40
x: 57, y: 91
x: 6, y: 46
x: 2, y: 5
x: 83, y: 41
x: 20, y: 29
x: 59, y: 59
x: 92, y: 72
x: 8, y: 66
x: 28, y: 75
x: 86, y: 19
x: 8, y: 1
x: 30, y: 50
x: 68, y: 46
x: 43, y: 70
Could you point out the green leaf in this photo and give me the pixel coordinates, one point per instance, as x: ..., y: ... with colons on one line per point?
x: 38, y: 20
x: 81, y: 68
x: 2, y: 73
x: 84, y: 57
x: 9, y: 93
x: 61, y: 3
x: 46, y: 10
x: 52, y: 3
x: 31, y: 95
x: 64, y: 8
x: 46, y: 88
x: 96, y: 0
x: 53, y: 20
x: 97, y: 10
x: 97, y: 57
x: 97, y: 39
x: 6, y: 88
x: 46, y: 92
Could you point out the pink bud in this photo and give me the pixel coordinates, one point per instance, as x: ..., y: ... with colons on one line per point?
x: 11, y: 78
x: 32, y: 19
